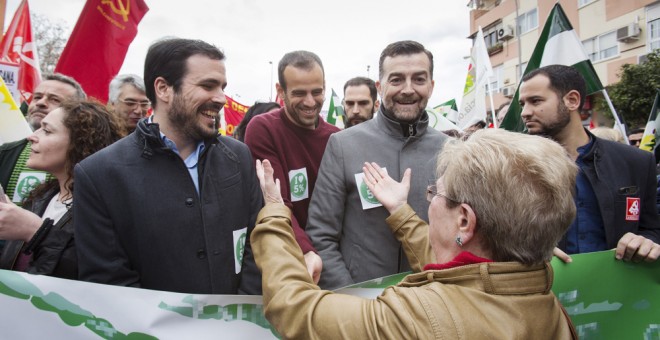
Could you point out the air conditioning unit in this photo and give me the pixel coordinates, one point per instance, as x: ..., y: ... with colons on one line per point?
x: 505, y: 33
x: 508, y: 91
x: 628, y: 33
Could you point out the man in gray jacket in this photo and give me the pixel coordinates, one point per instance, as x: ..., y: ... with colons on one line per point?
x: 346, y: 223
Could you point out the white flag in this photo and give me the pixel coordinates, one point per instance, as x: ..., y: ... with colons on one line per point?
x: 473, y: 105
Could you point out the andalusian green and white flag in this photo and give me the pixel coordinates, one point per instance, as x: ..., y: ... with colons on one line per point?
x: 448, y: 109
x: 443, y: 117
x: 652, y: 130
x: 335, y: 112
x: 558, y: 44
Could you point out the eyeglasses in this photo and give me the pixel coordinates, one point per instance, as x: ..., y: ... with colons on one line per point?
x: 432, y: 191
x: 132, y: 104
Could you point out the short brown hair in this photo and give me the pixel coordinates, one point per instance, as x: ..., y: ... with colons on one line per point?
x: 406, y: 47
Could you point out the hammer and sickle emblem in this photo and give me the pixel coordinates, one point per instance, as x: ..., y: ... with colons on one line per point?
x: 121, y: 9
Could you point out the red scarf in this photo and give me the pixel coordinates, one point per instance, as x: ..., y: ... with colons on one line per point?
x: 462, y: 259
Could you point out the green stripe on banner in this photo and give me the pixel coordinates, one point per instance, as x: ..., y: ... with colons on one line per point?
x: 605, y: 298
x: 609, y: 299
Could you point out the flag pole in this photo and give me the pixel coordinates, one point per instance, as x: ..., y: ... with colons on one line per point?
x: 492, y: 107
x: 617, y: 121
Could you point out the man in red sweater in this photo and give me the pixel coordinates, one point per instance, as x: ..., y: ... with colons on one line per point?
x: 293, y: 139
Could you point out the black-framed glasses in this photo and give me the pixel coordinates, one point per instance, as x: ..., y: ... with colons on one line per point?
x: 432, y: 191
x: 132, y: 104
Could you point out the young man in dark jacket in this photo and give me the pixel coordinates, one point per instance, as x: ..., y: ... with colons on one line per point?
x: 171, y: 206
x: 616, y: 184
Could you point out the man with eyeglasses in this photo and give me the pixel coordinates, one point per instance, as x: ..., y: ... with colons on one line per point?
x: 128, y: 99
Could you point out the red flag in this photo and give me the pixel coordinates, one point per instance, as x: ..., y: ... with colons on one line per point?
x: 99, y: 42
x: 18, y: 46
x: 234, y: 113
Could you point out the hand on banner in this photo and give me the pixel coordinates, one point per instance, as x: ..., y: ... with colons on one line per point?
x: 561, y: 255
x: 314, y: 266
x: 269, y: 188
x: 390, y: 193
x: 17, y: 223
x: 637, y: 248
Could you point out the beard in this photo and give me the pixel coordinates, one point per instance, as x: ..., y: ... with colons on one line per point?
x: 355, y: 120
x: 298, y: 117
x: 552, y: 129
x: 406, y: 114
x: 186, y: 119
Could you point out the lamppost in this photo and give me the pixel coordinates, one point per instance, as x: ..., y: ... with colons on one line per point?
x: 271, y: 80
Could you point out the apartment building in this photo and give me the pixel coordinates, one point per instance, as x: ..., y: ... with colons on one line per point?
x: 613, y: 32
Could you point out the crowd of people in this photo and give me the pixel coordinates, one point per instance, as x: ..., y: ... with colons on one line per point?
x: 164, y: 202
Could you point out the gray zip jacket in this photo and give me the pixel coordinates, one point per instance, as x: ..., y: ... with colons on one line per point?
x: 356, y: 244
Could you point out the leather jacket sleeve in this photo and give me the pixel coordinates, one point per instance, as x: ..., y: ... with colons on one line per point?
x: 413, y: 233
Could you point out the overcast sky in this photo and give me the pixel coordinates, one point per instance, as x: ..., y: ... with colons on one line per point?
x: 348, y: 35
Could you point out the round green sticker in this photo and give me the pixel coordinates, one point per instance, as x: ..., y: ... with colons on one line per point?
x: 26, y: 185
x: 366, y: 194
x: 298, y: 185
x: 239, y: 247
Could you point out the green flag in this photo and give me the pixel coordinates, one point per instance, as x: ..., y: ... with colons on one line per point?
x: 335, y: 112
x: 652, y: 130
x: 449, y: 111
x: 558, y: 44
x: 448, y: 105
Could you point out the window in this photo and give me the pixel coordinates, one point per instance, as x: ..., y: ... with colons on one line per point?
x: 528, y: 21
x: 490, y: 35
x: 495, y: 82
x: 604, y: 46
x: 521, y: 69
x: 654, y: 34
x: 584, y: 2
x: 653, y: 27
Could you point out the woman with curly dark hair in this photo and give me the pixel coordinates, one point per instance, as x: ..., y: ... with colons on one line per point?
x: 41, y: 232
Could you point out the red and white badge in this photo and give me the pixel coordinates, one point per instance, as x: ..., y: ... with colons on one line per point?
x: 632, y: 208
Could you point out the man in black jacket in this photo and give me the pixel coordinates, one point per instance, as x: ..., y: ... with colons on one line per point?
x: 616, y: 184
x: 171, y: 206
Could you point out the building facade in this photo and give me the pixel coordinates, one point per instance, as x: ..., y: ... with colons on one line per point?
x: 613, y: 33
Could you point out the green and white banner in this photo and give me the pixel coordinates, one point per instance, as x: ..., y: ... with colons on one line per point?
x: 605, y: 298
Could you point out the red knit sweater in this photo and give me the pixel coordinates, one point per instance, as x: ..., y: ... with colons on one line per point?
x: 289, y: 147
